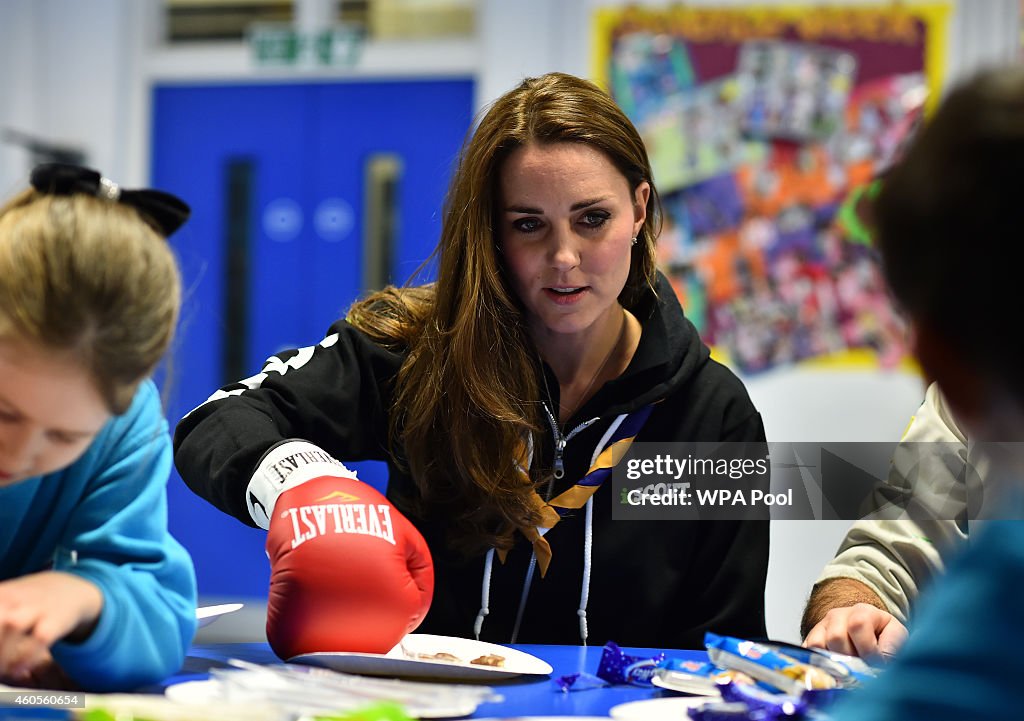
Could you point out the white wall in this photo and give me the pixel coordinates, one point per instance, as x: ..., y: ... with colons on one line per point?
x: 18, y: 81
x: 821, y: 406
x: 80, y: 73
x: 69, y: 75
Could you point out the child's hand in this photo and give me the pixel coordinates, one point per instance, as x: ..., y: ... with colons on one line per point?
x: 38, y: 610
x: 38, y: 671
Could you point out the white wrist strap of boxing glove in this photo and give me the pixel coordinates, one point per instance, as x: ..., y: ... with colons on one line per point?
x: 286, y: 465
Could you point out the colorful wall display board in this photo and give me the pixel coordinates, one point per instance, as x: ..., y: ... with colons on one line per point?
x: 793, y: 91
x: 698, y: 134
x: 766, y: 127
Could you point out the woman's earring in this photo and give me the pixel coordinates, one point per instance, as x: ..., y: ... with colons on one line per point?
x: 633, y: 241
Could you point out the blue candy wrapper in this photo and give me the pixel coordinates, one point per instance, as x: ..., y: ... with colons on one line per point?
x: 817, y: 699
x: 579, y: 682
x: 780, y: 705
x: 728, y: 711
x: 745, y: 702
x: 619, y: 667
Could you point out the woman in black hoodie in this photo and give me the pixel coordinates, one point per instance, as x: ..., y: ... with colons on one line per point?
x: 547, y: 337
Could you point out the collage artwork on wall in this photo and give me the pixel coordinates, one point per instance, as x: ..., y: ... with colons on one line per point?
x: 766, y: 128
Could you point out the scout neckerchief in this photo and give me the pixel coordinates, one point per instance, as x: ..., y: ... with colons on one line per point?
x: 577, y: 496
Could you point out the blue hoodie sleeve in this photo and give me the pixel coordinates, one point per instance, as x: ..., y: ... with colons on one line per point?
x: 962, y: 659
x: 117, y: 538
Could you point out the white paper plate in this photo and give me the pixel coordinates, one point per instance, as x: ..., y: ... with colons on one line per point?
x: 207, y: 693
x: 659, y: 709
x: 402, y: 661
x: 208, y: 614
x: 193, y: 692
x: 697, y: 689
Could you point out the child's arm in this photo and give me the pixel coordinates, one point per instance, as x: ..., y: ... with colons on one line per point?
x: 36, y: 611
x: 117, y: 539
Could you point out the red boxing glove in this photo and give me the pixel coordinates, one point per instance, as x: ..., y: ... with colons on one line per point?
x: 348, y: 572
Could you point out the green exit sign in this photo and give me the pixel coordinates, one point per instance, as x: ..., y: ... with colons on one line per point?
x: 284, y: 46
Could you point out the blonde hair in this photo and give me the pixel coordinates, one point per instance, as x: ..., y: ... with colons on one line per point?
x: 92, y: 278
x: 467, y: 394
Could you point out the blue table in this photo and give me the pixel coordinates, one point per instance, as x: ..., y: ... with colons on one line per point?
x: 524, y: 696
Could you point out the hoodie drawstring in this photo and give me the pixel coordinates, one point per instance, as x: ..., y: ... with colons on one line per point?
x: 485, y: 595
x: 588, y: 534
x: 588, y: 547
x: 527, y: 582
x: 485, y: 589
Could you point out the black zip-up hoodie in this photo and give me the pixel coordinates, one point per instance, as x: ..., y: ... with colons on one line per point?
x: 652, y: 583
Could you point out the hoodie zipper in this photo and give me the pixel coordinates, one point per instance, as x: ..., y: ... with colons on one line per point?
x: 561, y: 440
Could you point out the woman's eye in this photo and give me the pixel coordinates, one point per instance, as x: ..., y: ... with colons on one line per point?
x: 594, y: 218
x: 526, y: 225
x: 6, y: 417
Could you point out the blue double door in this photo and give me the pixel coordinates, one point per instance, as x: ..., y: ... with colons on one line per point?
x: 280, y: 178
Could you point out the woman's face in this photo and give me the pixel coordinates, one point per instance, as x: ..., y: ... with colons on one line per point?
x: 50, y: 411
x: 567, y: 218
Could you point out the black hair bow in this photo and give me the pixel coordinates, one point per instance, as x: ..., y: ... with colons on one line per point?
x: 168, y: 211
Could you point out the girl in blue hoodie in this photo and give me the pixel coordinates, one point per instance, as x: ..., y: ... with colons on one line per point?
x: 94, y: 592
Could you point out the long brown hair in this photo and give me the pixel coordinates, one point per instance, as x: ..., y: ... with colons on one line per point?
x: 467, y: 393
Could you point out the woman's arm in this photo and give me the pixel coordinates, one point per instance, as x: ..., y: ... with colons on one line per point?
x: 336, y: 394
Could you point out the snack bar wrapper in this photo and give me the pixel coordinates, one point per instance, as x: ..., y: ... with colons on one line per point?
x: 763, y: 664
x: 849, y: 671
x: 696, y: 677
